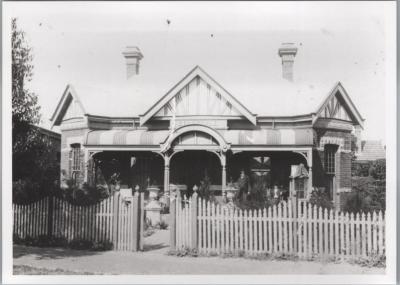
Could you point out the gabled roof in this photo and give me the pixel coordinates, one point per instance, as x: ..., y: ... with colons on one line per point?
x: 197, y: 71
x: 67, y: 97
x: 338, y: 90
x: 371, y: 150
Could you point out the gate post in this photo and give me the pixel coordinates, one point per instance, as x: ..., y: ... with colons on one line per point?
x: 172, y: 221
x: 115, y: 220
x: 141, y: 220
x: 194, y: 218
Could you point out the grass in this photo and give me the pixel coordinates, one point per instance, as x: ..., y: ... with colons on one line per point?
x: 30, y: 270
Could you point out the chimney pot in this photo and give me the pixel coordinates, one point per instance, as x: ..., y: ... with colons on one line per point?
x: 132, y: 56
x: 287, y: 52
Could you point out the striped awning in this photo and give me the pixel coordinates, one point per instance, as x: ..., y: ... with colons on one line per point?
x: 233, y: 137
x: 269, y: 137
x: 126, y: 137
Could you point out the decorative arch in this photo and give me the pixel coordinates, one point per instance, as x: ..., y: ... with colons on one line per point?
x: 223, y: 145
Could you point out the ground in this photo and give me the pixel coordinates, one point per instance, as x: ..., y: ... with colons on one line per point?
x: 153, y: 260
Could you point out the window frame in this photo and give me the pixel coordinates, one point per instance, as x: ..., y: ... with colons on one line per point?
x: 330, y: 158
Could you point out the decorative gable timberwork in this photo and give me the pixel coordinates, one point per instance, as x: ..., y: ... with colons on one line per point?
x: 198, y: 94
x: 198, y: 98
x: 335, y: 109
x: 338, y: 106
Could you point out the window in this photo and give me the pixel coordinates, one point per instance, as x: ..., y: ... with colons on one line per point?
x: 75, y: 162
x: 299, y: 185
x: 76, y: 157
x: 330, y: 151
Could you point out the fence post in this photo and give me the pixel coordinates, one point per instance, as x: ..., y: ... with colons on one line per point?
x: 172, y: 222
x: 141, y: 220
x: 194, y: 218
x: 50, y: 204
x: 115, y: 219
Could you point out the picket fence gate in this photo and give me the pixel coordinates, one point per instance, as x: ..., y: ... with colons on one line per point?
x: 115, y: 219
x: 298, y: 229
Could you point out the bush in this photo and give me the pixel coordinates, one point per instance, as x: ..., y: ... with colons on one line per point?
x: 321, y: 199
x: 40, y: 241
x: 79, y: 244
x: 102, y: 246
x: 367, y: 195
x: 82, y: 196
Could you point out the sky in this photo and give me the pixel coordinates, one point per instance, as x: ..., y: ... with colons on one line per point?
x: 81, y: 42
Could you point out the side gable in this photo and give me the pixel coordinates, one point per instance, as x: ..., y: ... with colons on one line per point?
x: 69, y: 107
x: 338, y: 105
x: 197, y: 94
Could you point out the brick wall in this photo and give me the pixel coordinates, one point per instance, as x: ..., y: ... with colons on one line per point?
x: 342, y: 161
x: 69, y: 137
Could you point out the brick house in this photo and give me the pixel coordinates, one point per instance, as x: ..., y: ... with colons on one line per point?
x: 196, y: 127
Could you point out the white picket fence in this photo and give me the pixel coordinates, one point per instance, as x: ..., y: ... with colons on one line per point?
x: 302, y: 230
x: 113, y: 219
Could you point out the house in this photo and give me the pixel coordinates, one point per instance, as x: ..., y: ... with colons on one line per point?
x: 370, y: 151
x: 201, y: 124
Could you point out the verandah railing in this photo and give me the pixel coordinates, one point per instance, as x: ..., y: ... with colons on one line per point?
x: 299, y: 229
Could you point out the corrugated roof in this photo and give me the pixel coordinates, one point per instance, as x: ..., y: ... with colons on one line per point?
x: 371, y: 150
x: 248, y: 68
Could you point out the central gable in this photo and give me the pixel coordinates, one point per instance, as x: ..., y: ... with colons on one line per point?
x: 198, y: 98
x: 197, y: 94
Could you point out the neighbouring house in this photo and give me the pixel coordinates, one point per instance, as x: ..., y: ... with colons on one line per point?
x: 204, y: 123
x: 370, y: 151
x: 368, y: 154
x: 55, y: 139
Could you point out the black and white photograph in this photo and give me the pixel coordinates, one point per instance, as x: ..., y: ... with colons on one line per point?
x: 199, y: 142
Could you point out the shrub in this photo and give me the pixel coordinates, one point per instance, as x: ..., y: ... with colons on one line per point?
x: 321, y: 199
x: 80, y: 244
x: 184, y: 251
x: 84, y: 195
x: 102, y: 246
x: 40, y: 241
x: 367, y: 195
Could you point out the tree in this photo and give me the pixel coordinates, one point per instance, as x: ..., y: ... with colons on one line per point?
x: 35, y: 166
x: 25, y: 109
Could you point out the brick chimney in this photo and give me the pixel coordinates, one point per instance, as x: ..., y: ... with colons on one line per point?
x: 287, y: 52
x: 132, y: 56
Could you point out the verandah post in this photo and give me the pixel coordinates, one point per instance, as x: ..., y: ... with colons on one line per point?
x: 172, y: 221
x: 194, y: 218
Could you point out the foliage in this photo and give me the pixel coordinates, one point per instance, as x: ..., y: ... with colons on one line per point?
x: 367, y: 195
x: 84, y: 195
x: 35, y: 165
x: 184, y: 251
x: 368, y: 187
x: 51, y: 241
x: 375, y: 169
x: 321, y: 199
x: 375, y: 260
x: 256, y: 203
x: 30, y: 270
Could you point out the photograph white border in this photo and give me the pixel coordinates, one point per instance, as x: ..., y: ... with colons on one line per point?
x: 391, y: 127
